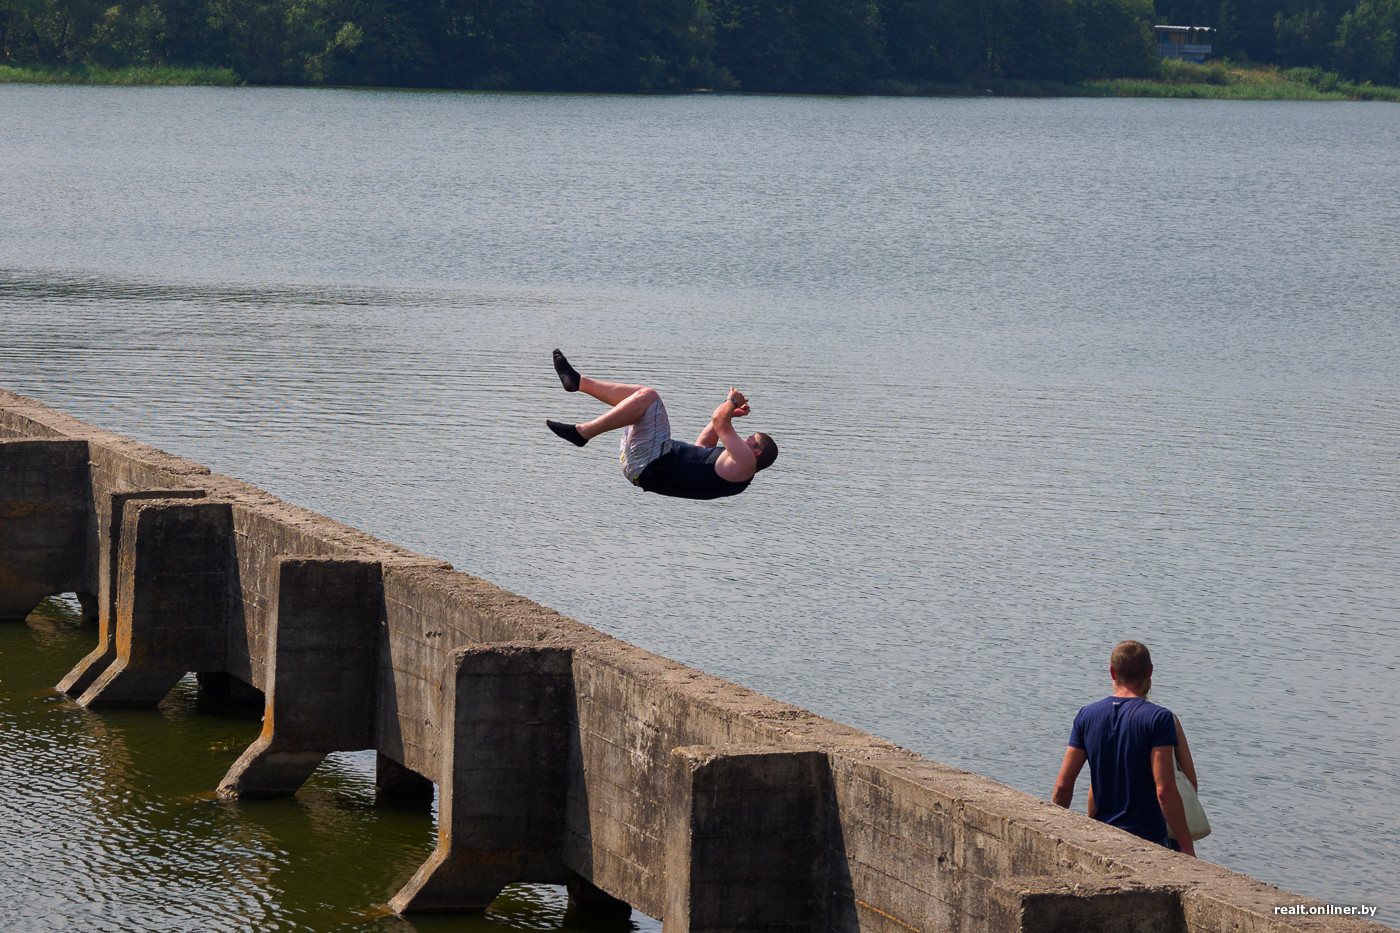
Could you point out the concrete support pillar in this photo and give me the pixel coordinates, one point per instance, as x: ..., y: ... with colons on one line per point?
x: 1087, y: 905
x: 45, y: 505
x: 109, y: 538
x: 506, y: 726
x: 173, y: 575
x: 322, y: 660
x: 746, y: 837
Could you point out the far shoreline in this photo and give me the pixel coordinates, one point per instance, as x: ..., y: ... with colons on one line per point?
x: 1213, y: 81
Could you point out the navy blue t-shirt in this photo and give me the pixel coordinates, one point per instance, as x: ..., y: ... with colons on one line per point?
x: 688, y: 472
x: 1118, y: 734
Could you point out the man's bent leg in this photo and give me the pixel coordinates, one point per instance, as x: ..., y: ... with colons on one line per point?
x: 609, y: 393
x: 628, y: 411
x: 629, y: 403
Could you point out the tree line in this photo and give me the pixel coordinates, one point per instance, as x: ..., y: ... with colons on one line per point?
x: 854, y: 46
x: 1359, y: 40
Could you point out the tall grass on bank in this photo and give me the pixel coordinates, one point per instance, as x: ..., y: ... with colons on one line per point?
x: 1218, y: 80
x: 134, y: 75
x: 1222, y: 80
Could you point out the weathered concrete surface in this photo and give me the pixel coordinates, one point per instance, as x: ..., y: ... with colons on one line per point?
x: 171, y: 600
x: 319, y: 678
x: 503, y: 777
x: 43, y: 521
x: 109, y: 537
x: 746, y: 832
x: 560, y: 754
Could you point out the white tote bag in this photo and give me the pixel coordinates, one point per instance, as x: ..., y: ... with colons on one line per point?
x: 1196, y: 820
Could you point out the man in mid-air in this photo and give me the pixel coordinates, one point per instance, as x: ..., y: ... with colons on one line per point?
x: 719, y: 463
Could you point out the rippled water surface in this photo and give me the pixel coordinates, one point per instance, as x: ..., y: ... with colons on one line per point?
x: 1045, y: 375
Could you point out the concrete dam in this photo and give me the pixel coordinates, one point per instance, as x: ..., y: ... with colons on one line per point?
x: 560, y: 755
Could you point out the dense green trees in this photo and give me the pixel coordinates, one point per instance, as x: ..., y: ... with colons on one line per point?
x: 1367, y: 46
x: 642, y: 45
x: 1358, y: 40
x: 797, y: 45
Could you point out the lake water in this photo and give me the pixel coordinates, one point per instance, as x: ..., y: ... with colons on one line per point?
x: 1045, y: 375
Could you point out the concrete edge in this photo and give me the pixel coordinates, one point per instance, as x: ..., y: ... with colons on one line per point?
x: 30, y: 417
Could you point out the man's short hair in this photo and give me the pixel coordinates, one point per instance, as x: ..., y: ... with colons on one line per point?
x: 767, y: 452
x: 1131, y: 662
